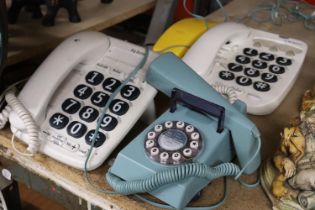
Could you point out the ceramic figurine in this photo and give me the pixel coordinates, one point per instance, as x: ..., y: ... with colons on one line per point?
x: 289, y: 178
x: 52, y: 9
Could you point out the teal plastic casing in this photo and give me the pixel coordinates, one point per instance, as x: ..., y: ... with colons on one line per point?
x: 166, y: 73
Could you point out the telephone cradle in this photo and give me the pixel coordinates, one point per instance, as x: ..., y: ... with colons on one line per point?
x: 190, y: 144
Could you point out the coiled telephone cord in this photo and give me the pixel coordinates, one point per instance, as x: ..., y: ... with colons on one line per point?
x: 4, y: 116
x: 226, y: 91
x: 172, y: 175
x: 15, y: 105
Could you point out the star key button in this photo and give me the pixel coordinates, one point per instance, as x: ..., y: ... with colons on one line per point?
x: 58, y: 121
x: 226, y: 75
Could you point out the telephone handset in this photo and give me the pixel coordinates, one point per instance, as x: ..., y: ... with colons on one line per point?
x: 260, y: 66
x: 189, y: 145
x: 66, y: 94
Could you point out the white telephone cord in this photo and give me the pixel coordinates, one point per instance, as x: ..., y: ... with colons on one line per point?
x: 15, y: 105
x: 229, y: 92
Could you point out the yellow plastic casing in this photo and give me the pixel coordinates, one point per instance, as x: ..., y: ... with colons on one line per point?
x: 181, y: 35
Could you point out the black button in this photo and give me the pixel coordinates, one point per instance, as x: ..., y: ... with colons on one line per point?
x: 261, y: 86
x: 118, y: 107
x: 251, y: 72
x: 267, y: 77
x: 58, y: 121
x: 266, y: 56
x: 76, y: 129
x: 130, y: 92
x: 99, y: 139
x: 88, y: 114
x: 283, y: 61
x: 70, y: 105
x: 259, y: 64
x: 244, y: 81
x: 242, y: 59
x: 108, y: 122
x: 111, y: 84
x: 235, y: 67
x: 226, y: 75
x: 99, y: 99
x: 82, y: 91
x: 94, y: 78
x: 276, y: 69
x: 250, y: 52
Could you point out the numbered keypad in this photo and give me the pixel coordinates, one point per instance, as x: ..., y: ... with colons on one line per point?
x: 79, y: 113
x: 255, y: 69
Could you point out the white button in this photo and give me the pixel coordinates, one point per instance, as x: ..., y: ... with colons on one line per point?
x: 83, y: 152
x: 187, y: 152
x: 149, y: 144
x: 151, y: 135
x: 180, y: 124
x: 176, y: 156
x: 189, y: 128
x: 73, y: 147
x: 164, y: 157
x: 154, y: 151
x: 158, y: 128
x: 194, y: 145
x: 168, y: 124
x: 195, y: 136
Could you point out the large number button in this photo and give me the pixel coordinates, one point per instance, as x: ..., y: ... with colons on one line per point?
x: 266, y: 56
x: 58, y: 121
x: 276, y: 69
x: 88, y: 114
x: 99, y: 139
x: 94, y: 78
x: 244, y: 81
x: 99, y: 98
x: 108, y: 122
x: 259, y: 64
x: 70, y: 106
x: 250, y: 52
x: 111, y: 84
x: 261, y: 86
x: 130, y: 92
x: 76, y: 129
x: 251, y: 72
x: 235, y: 67
x: 82, y: 91
x: 118, y: 107
x: 267, y: 77
x: 242, y: 59
x: 284, y: 61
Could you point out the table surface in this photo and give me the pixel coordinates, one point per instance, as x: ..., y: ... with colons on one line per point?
x: 239, y: 197
x: 28, y: 38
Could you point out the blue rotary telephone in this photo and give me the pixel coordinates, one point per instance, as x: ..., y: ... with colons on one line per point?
x: 190, y: 144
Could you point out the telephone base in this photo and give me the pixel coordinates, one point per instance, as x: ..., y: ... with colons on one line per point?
x: 132, y: 163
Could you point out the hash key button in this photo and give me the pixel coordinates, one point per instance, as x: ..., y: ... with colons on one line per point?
x: 261, y: 86
x: 99, y: 139
x: 58, y: 121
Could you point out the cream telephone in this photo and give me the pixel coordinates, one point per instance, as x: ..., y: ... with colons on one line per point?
x: 260, y: 66
x: 59, y: 107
